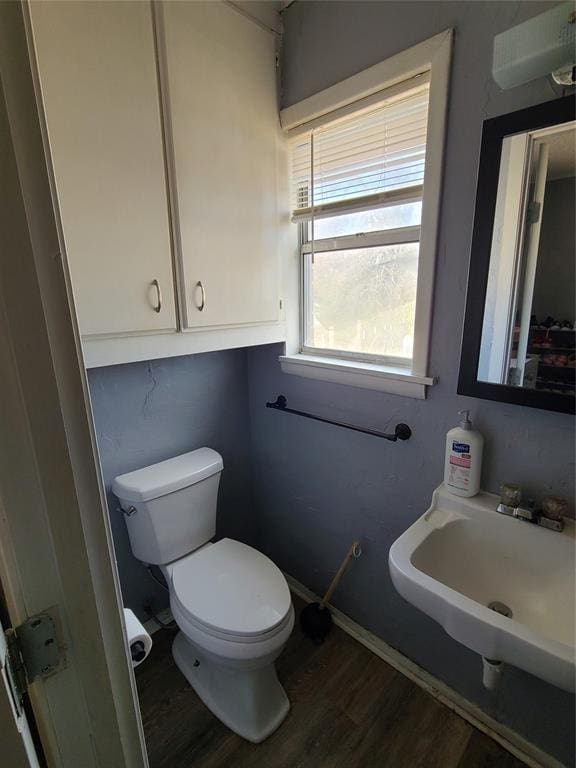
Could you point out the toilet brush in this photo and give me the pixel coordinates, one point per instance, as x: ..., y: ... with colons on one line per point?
x: 315, y: 618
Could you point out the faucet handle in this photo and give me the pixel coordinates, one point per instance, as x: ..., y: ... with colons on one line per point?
x: 554, y: 507
x: 554, y: 511
x: 510, y: 494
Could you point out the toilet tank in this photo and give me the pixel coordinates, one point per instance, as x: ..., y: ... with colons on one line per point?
x: 170, y: 507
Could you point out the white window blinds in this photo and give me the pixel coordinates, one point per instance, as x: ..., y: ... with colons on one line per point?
x: 371, y: 158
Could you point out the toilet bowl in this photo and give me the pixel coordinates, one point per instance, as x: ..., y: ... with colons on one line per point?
x: 231, y: 603
x: 232, y: 633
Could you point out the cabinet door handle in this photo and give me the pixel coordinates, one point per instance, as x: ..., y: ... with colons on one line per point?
x: 203, y: 295
x: 158, y: 306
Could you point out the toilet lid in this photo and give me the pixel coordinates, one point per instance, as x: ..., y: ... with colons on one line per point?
x: 232, y: 588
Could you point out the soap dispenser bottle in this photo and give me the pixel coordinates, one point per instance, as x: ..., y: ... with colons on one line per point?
x: 463, y: 464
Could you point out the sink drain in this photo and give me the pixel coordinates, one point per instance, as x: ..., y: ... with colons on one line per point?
x: 500, y: 608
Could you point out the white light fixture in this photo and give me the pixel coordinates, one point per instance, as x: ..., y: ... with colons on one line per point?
x: 536, y: 48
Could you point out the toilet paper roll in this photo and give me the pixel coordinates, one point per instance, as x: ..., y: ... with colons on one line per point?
x: 139, y: 640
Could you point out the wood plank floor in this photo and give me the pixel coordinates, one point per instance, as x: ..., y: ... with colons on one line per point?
x: 349, y: 710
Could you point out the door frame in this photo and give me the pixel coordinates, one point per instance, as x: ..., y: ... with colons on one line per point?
x: 56, y: 548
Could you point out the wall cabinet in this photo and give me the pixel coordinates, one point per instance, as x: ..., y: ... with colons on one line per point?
x: 221, y: 92
x: 98, y: 78
x: 163, y: 132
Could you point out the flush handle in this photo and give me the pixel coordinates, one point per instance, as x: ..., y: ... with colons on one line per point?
x: 128, y: 512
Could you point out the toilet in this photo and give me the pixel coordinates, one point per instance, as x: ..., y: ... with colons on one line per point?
x: 230, y: 602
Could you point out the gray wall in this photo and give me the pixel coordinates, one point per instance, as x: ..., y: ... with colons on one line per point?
x: 148, y: 412
x: 317, y: 487
x: 556, y: 271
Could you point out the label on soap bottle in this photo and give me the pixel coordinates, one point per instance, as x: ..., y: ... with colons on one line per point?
x: 460, y: 463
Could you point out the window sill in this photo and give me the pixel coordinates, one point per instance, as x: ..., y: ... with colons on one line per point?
x: 384, y: 378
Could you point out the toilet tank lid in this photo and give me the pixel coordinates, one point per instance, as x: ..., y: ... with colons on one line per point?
x: 168, y: 476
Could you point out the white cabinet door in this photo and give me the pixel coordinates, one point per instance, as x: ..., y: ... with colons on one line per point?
x: 98, y: 78
x: 221, y: 92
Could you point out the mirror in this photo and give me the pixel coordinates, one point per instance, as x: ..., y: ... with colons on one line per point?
x: 519, y: 342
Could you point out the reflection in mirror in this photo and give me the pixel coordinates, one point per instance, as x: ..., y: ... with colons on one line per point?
x: 528, y: 332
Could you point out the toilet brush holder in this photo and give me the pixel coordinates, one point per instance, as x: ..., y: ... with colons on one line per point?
x: 315, y: 618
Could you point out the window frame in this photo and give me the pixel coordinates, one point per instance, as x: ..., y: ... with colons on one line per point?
x: 382, y: 237
x: 433, y: 56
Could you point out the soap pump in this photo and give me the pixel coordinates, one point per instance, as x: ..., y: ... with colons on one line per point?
x: 463, y: 463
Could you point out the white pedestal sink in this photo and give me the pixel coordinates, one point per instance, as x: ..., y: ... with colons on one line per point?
x: 462, y: 556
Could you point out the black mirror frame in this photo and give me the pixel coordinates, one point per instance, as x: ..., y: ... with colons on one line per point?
x: 493, y: 133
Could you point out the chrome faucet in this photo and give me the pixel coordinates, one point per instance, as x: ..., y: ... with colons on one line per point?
x: 510, y: 498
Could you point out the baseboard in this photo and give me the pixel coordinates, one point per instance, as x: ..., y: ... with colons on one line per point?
x: 511, y: 741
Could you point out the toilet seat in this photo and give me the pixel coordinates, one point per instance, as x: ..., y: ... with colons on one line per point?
x: 231, y: 591
x: 195, y: 629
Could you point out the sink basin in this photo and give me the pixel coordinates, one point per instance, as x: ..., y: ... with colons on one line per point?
x: 462, y: 557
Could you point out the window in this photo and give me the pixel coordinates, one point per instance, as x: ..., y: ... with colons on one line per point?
x: 357, y: 191
x: 366, y: 158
